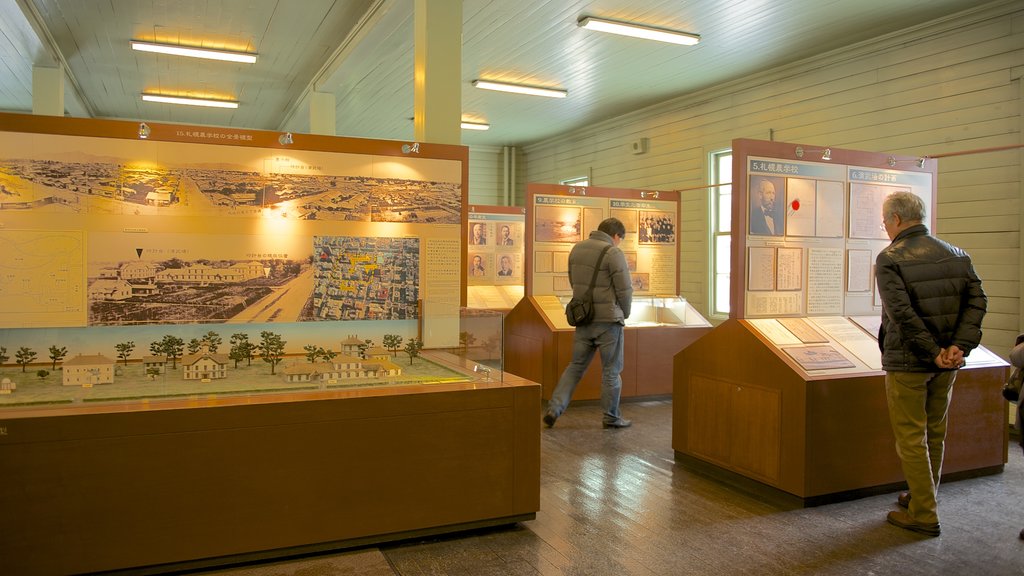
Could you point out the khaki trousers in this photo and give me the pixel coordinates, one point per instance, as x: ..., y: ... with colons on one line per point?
x: 918, y: 409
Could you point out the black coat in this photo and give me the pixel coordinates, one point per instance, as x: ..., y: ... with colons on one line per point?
x: 931, y: 299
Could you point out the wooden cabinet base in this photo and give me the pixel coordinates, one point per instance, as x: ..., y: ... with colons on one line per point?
x: 536, y: 350
x: 196, y: 482
x: 738, y: 406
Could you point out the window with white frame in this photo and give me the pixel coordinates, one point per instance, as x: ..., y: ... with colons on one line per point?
x: 721, y: 230
x: 580, y: 181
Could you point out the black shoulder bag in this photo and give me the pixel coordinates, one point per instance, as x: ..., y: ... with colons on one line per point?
x: 580, y: 311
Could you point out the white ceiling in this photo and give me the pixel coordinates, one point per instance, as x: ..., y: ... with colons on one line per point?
x: 362, y: 52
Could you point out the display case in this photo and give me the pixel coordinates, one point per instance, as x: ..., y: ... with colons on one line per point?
x: 95, y: 484
x: 216, y: 344
x: 538, y: 340
x: 658, y: 328
x: 813, y: 425
x: 788, y: 394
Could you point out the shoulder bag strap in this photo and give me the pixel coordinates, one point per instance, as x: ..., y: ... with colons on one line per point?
x: 593, y: 279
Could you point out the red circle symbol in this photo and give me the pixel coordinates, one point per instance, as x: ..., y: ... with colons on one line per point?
x: 796, y: 204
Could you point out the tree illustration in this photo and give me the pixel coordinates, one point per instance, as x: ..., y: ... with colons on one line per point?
x: 3, y: 355
x: 124, y: 350
x: 57, y: 354
x: 170, y: 347
x: 327, y: 355
x: 466, y: 339
x: 271, y: 348
x: 312, y: 352
x: 24, y: 356
x: 212, y: 341
x: 366, y: 345
x: 194, y: 345
x: 241, y: 349
x: 392, y: 342
x: 492, y: 344
x: 413, y: 347
x: 152, y: 372
x: 42, y: 374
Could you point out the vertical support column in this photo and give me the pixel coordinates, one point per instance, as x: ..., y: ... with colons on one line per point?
x: 437, y: 76
x: 48, y: 91
x: 321, y: 114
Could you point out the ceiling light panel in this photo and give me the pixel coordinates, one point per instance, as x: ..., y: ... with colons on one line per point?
x: 521, y: 89
x: 190, y: 101
x: 194, y: 52
x: 639, y: 31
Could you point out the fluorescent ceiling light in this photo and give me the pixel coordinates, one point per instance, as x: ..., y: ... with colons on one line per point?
x: 520, y: 89
x: 638, y: 31
x: 475, y: 125
x: 193, y: 52
x: 190, y: 101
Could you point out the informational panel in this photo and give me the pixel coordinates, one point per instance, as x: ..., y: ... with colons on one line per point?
x: 807, y: 227
x: 560, y: 216
x: 192, y: 227
x: 496, y: 256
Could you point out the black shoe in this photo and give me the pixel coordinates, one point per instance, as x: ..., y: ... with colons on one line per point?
x: 549, y: 419
x: 903, y: 500
x: 903, y: 520
x: 620, y: 423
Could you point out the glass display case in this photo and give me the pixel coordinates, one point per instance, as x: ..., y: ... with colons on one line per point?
x: 235, y: 367
x: 539, y: 340
x: 658, y: 311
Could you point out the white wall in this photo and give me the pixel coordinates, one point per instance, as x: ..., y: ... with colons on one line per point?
x: 942, y: 87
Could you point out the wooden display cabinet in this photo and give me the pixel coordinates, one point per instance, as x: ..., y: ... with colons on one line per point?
x: 744, y: 406
x: 539, y: 342
x: 155, y: 486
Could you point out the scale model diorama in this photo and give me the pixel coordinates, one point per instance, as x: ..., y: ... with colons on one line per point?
x: 177, y: 368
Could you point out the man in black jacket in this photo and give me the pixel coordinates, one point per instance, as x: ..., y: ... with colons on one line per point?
x: 613, y: 298
x: 932, y: 308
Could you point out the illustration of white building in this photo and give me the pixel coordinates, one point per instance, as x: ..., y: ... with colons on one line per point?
x: 341, y: 367
x: 137, y: 271
x: 110, y: 289
x: 204, y: 366
x: 206, y: 274
x: 310, y: 372
x: 88, y: 370
x: 157, y: 362
x: 351, y: 346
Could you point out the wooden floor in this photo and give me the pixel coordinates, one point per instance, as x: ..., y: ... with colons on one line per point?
x: 615, y: 502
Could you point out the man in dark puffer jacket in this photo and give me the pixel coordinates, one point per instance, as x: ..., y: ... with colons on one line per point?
x: 932, y: 307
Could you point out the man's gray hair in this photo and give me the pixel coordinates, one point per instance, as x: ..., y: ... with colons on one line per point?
x: 909, y: 207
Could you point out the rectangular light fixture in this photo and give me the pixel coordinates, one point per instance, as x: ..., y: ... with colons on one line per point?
x: 193, y: 52
x: 638, y: 31
x: 190, y: 101
x: 475, y: 125
x: 520, y: 89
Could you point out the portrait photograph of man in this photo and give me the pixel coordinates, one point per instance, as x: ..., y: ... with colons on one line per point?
x: 767, y: 195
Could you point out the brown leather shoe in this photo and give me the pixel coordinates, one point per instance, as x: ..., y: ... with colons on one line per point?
x: 903, y: 500
x: 903, y: 520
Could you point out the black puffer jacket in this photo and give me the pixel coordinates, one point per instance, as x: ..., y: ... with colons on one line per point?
x: 931, y: 299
